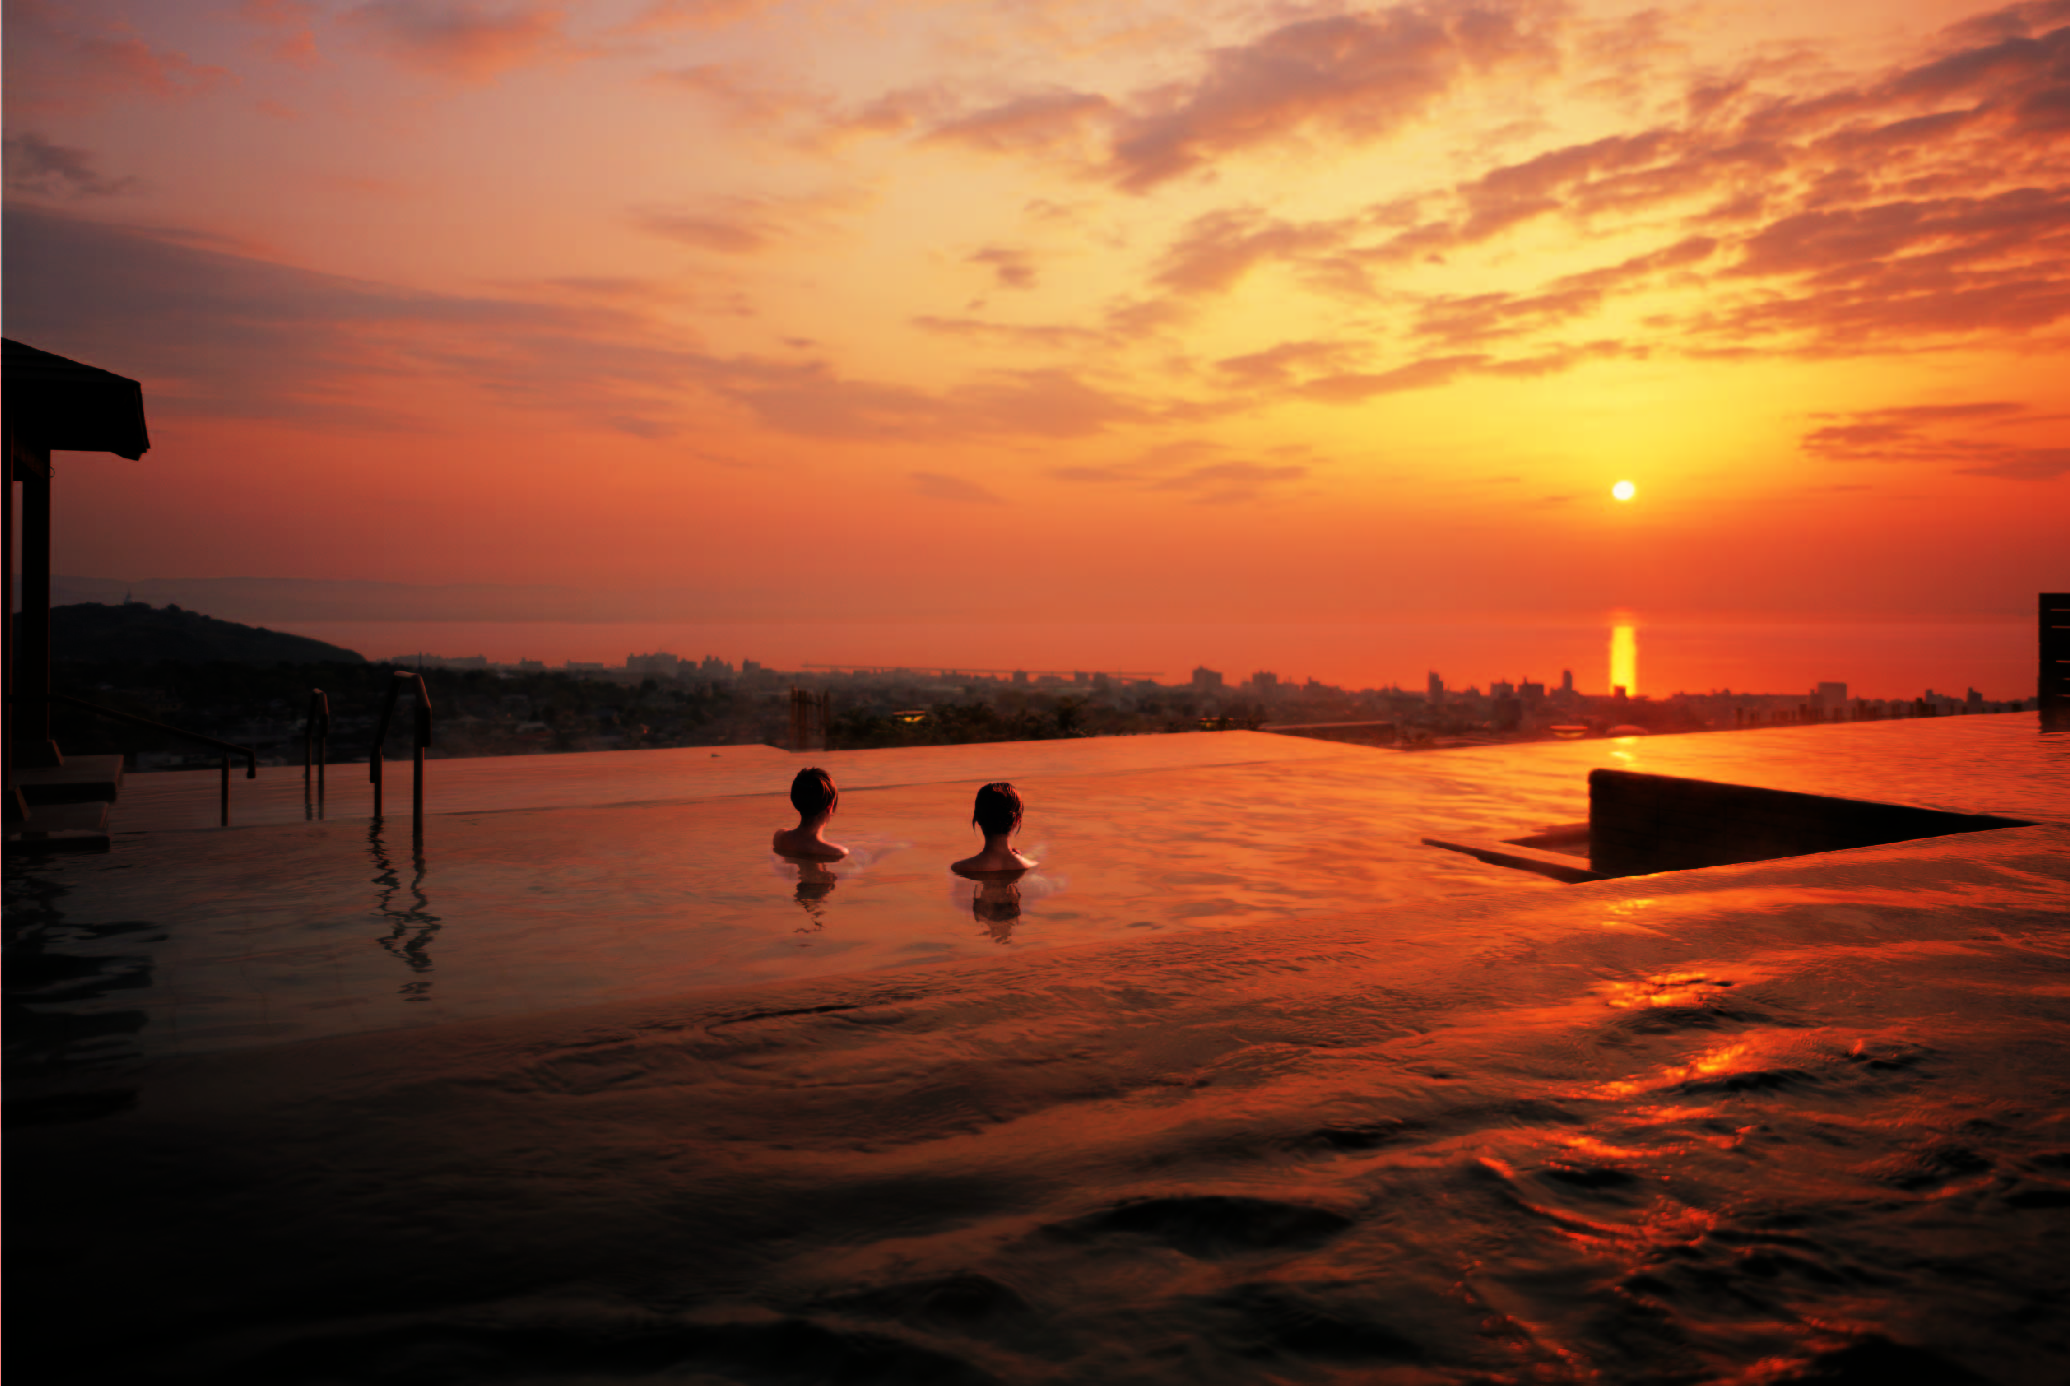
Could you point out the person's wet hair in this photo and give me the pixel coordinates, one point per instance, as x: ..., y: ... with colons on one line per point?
x: 813, y: 792
x: 998, y: 809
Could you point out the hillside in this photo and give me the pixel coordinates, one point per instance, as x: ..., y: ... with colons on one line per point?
x: 96, y: 633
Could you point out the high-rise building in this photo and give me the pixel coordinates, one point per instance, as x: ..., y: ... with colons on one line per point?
x: 1437, y: 689
x: 1566, y: 680
x: 1205, y: 679
x: 1265, y: 681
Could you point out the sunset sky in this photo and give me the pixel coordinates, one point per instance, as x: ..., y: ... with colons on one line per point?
x: 1045, y: 311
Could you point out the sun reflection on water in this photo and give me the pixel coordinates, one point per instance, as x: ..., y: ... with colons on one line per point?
x: 1624, y: 656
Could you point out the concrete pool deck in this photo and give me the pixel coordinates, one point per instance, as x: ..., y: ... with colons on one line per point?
x: 1789, y: 1121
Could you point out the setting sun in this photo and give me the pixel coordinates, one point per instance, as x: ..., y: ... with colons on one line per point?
x: 1624, y: 490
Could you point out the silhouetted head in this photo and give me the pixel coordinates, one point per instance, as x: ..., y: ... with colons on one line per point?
x: 998, y: 809
x: 813, y: 793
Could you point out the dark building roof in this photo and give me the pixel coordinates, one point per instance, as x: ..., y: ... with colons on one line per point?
x: 53, y: 402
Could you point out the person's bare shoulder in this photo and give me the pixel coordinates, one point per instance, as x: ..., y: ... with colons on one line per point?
x: 990, y: 867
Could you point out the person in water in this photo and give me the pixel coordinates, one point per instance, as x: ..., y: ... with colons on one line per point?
x: 814, y: 797
x: 998, y: 815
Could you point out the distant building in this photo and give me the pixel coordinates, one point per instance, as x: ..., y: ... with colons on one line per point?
x: 1566, y: 680
x: 1265, y: 681
x: 1206, y: 679
x: 1502, y: 688
x: 1020, y: 678
x: 1829, y: 696
x: 531, y: 666
x: 1436, y: 689
x: 1080, y: 676
x: 1531, y: 692
x: 665, y: 666
x: 713, y: 667
x: 580, y: 666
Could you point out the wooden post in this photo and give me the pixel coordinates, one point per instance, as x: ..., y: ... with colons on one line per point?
x: 17, y: 810
x: 30, y: 734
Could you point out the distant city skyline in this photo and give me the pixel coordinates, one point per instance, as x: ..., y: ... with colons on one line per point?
x: 1890, y: 658
x: 1266, y: 683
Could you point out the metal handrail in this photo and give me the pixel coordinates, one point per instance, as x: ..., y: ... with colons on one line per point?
x: 420, y: 741
x: 316, y: 736
x: 251, y: 757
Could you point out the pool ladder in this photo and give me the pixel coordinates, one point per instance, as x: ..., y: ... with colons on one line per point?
x: 419, y: 742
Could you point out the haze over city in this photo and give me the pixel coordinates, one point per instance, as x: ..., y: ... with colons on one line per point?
x: 1066, y: 334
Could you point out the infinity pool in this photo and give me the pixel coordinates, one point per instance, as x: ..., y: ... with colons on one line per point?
x: 1303, y: 1102
x: 554, y: 892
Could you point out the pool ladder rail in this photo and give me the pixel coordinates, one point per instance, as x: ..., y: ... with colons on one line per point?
x: 420, y: 742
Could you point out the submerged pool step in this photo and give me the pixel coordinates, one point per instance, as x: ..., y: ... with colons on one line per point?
x: 1533, y: 853
x: 1640, y: 824
x: 81, y: 827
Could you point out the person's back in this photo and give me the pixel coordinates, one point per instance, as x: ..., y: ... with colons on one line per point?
x: 814, y: 797
x: 997, y: 814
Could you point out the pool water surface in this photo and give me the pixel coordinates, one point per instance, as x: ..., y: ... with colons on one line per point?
x: 555, y: 891
x: 1252, y: 1088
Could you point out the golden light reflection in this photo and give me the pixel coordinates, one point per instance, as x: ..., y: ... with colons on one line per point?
x: 1720, y: 1062
x: 1685, y: 989
x: 1624, y: 659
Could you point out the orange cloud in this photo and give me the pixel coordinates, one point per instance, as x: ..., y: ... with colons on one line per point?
x: 697, y: 14
x: 1042, y: 123
x: 1956, y: 437
x: 953, y: 488
x: 1011, y: 268
x: 35, y: 165
x: 1196, y: 468
x: 59, y: 60
x: 466, y: 39
x: 290, y: 30
x: 1346, y: 77
x: 738, y: 101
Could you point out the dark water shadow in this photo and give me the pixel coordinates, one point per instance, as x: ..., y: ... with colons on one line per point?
x: 54, y: 999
